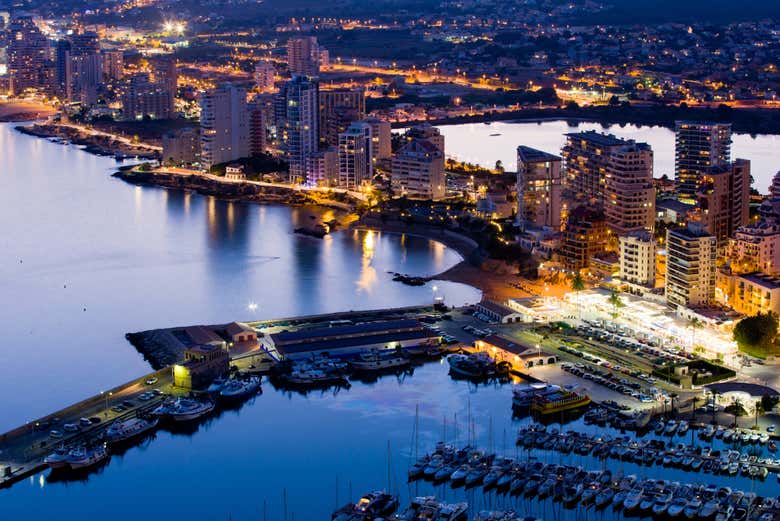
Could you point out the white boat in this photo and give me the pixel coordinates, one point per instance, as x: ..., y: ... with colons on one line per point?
x: 633, y: 499
x: 82, y: 457
x: 58, y: 458
x: 216, y: 385
x: 677, y: 507
x: 376, y: 361
x: 185, y: 409
x: 236, y: 389
x: 709, y: 509
x: 692, y: 508
x: 312, y: 377
x: 126, y: 430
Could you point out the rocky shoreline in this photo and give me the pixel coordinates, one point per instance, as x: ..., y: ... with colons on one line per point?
x: 228, y: 190
x: 97, y: 144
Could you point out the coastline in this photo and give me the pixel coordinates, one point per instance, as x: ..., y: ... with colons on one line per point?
x: 18, y: 111
x: 237, y: 191
x: 752, y: 121
x: 489, y: 276
x: 96, y: 143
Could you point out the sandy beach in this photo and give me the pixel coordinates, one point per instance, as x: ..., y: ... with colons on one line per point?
x: 24, y: 111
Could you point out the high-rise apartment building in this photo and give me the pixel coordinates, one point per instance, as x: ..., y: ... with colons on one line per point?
x: 690, y: 267
x: 637, y: 259
x: 265, y: 76
x: 699, y: 147
x: 303, y: 56
x: 538, y: 189
x: 586, y: 235
x: 300, y: 124
x: 224, y: 123
x: 427, y: 132
x: 355, y: 164
x: 29, y: 60
x: 381, y: 139
x: 113, y: 65
x: 614, y: 173
x: 339, y: 108
x: 181, y: 147
x: 418, y: 170
x: 144, y: 98
x: 724, y: 200
x: 322, y: 167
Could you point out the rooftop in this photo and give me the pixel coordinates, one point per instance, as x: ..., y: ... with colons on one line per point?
x: 532, y: 155
x: 765, y: 281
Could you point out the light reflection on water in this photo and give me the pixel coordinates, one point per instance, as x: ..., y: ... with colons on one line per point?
x: 86, y: 258
x: 304, y: 444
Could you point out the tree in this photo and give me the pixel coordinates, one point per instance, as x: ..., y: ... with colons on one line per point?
x: 757, y: 332
x: 578, y: 284
x: 616, y: 303
x: 694, y: 324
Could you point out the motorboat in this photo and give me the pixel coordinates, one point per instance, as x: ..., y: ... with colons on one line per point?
x: 378, y: 361
x: 676, y: 507
x: 83, y: 457
x: 58, y: 458
x: 571, y: 493
x: 186, y: 409
x: 373, y: 505
x: 125, y: 430
x: 692, y: 508
x: 216, y: 385
x: 633, y: 499
x: 604, y: 497
x: 236, y: 389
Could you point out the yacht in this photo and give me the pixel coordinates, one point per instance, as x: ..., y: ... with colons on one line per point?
x: 235, y: 389
x: 125, y: 430
x: 373, y: 505
x: 378, y: 361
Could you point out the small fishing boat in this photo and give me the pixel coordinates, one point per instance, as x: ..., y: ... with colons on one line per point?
x: 237, y: 390
x: 127, y: 430
x: 58, y: 458
x: 83, y: 457
x: 378, y: 361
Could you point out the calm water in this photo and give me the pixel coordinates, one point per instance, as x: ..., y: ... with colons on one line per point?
x: 314, y: 448
x: 138, y: 258
x: 473, y: 142
x: 86, y: 258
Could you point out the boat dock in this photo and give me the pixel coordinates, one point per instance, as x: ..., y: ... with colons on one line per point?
x: 23, y: 449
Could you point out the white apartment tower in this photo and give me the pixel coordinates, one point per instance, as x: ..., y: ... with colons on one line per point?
x: 355, y: 164
x: 690, y: 268
x: 224, y: 123
x: 637, y: 259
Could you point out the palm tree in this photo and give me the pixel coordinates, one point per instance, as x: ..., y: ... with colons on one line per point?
x: 614, y: 300
x: 578, y: 284
x: 694, y: 324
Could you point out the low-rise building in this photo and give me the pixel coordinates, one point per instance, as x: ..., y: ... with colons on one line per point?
x: 202, y: 363
x: 504, y: 348
x: 754, y: 293
x: 353, y: 339
x: 495, y: 312
x: 235, y: 172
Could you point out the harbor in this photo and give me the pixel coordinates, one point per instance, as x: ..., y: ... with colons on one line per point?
x: 443, y: 353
